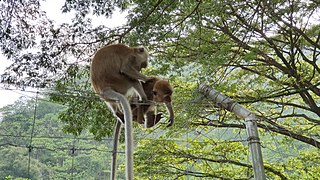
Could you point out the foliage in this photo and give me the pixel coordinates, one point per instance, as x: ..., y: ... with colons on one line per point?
x: 84, y: 111
x: 263, y: 54
x: 43, y: 151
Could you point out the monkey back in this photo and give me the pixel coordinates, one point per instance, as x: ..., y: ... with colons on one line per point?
x: 107, y: 63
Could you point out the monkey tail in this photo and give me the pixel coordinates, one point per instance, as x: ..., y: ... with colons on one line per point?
x: 128, y: 128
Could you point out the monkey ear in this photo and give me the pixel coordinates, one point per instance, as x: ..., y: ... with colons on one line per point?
x: 141, y: 50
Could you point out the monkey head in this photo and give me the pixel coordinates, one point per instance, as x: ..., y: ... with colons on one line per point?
x: 162, y: 92
x: 140, y: 57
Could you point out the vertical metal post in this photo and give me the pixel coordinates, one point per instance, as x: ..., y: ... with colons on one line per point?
x: 254, y: 146
x: 251, y: 126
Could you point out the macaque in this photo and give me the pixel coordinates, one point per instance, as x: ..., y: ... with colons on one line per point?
x: 115, y: 70
x: 118, y: 67
x: 158, y: 91
x: 162, y: 92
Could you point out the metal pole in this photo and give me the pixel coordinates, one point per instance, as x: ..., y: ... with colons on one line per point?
x: 254, y: 146
x: 227, y: 103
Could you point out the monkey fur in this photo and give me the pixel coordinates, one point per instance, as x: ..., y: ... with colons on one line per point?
x: 159, y: 91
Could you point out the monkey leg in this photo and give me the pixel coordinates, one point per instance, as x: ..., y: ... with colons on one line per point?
x: 138, y: 87
x: 137, y: 111
x: 116, y: 135
x: 134, y: 116
x: 153, y: 119
x: 120, y: 116
x: 140, y: 118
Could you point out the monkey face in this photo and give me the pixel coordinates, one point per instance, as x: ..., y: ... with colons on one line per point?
x: 160, y: 97
x: 162, y: 92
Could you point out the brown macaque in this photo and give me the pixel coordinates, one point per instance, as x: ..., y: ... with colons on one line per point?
x: 115, y: 70
x: 159, y: 91
x: 117, y: 67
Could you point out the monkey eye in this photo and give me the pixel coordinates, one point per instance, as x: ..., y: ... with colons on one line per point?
x: 154, y: 93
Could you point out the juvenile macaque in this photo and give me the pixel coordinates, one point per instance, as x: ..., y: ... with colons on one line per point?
x: 156, y: 90
x: 159, y: 91
x: 114, y: 72
x: 162, y: 92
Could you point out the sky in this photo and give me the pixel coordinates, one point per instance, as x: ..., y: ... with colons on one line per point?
x: 52, y: 8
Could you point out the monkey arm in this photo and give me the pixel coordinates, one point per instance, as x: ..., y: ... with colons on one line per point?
x: 153, y: 119
x: 132, y: 69
x: 171, y: 114
x: 138, y: 87
x: 139, y: 113
x: 131, y: 72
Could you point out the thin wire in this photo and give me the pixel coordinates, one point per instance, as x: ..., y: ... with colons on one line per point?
x: 73, y: 155
x: 72, y: 93
x: 83, y: 94
x: 53, y: 137
x: 31, y: 136
x: 188, y: 151
x: 57, y: 149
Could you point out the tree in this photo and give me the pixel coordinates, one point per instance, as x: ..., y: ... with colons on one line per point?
x: 40, y: 150
x: 262, y: 54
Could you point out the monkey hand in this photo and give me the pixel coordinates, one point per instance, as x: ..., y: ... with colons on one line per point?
x: 158, y: 117
x: 171, y: 120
